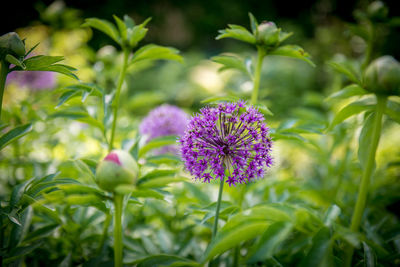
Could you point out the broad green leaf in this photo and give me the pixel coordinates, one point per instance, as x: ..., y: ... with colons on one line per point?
x: 265, y: 247
x: 14, y: 134
x: 159, y: 178
x: 12, y: 60
x: 84, y: 168
x: 282, y: 135
x: 393, y: 110
x: 320, y: 253
x: 163, y: 260
x: 350, y: 110
x: 218, y: 99
x: 157, y: 142
x: 294, y: 51
x: 348, y: 91
x: 231, y: 62
x: 138, y: 192
x: 231, y: 235
x: 237, y: 32
x: 105, y: 26
x: 17, y: 193
x: 365, y: 139
x: 347, y: 70
x: 79, y: 189
x: 155, y: 52
x: 44, y: 187
x: 84, y: 89
x: 66, y: 96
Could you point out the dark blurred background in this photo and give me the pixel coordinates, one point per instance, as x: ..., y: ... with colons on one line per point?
x: 193, y: 24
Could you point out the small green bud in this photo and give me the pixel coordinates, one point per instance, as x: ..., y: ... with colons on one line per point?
x: 377, y: 11
x: 383, y: 76
x: 117, y: 168
x: 10, y: 43
x: 268, y: 34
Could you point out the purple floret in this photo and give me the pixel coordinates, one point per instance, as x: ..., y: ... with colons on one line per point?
x: 162, y: 121
x: 231, y: 136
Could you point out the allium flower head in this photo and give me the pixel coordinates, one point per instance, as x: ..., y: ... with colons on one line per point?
x: 162, y: 121
x: 231, y: 136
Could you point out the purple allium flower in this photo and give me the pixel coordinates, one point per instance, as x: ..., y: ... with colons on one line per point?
x: 35, y: 80
x: 232, y: 136
x: 162, y: 121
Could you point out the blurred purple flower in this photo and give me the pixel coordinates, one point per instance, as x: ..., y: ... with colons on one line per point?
x: 35, y: 80
x: 162, y: 121
x: 232, y: 136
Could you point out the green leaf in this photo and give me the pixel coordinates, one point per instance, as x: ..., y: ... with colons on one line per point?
x: 121, y: 27
x: 237, y: 32
x: 231, y: 62
x: 231, y: 235
x: 293, y: 51
x: 138, y: 192
x: 347, y: 70
x: 41, y: 233
x: 218, y: 99
x: 155, y: 52
x: 282, y: 135
x: 19, y: 252
x: 76, y: 189
x: 159, y: 178
x: 14, y: 134
x: 369, y: 256
x: 350, y: 110
x: 137, y: 33
x: 320, y: 253
x: 253, y: 24
x: 348, y: 91
x: 163, y: 260
x: 331, y: 215
x: 265, y: 248
x: 164, y: 159
x: 19, y: 231
x: 105, y: 26
x: 157, y: 143
x: 84, y: 89
x: 364, y: 140
x: 393, y: 110
x: 264, y: 109
x: 47, y: 63
x: 12, y: 60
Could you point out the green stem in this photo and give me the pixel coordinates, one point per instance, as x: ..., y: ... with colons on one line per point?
x: 365, y: 180
x: 236, y: 253
x: 107, y: 222
x: 215, y: 228
x: 3, y: 77
x: 257, y: 74
x: 118, y: 245
x: 117, y: 96
x: 215, y: 262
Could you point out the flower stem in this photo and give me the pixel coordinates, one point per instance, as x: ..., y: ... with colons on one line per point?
x: 365, y: 180
x: 257, y: 74
x: 215, y: 228
x: 3, y: 77
x: 117, y: 96
x: 118, y: 245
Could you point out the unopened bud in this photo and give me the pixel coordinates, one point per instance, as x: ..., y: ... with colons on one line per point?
x: 268, y: 34
x: 383, y: 76
x: 10, y: 43
x: 117, y: 168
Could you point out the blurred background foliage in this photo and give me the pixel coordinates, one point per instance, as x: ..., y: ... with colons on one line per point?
x: 313, y: 170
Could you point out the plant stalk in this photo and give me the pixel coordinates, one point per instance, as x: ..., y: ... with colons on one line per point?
x: 118, y: 245
x: 257, y: 74
x: 3, y: 77
x: 215, y: 261
x: 117, y: 97
x: 367, y: 173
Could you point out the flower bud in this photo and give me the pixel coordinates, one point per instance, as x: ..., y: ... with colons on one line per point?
x: 117, y: 168
x: 383, y: 76
x: 377, y: 11
x: 268, y: 34
x: 10, y: 43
